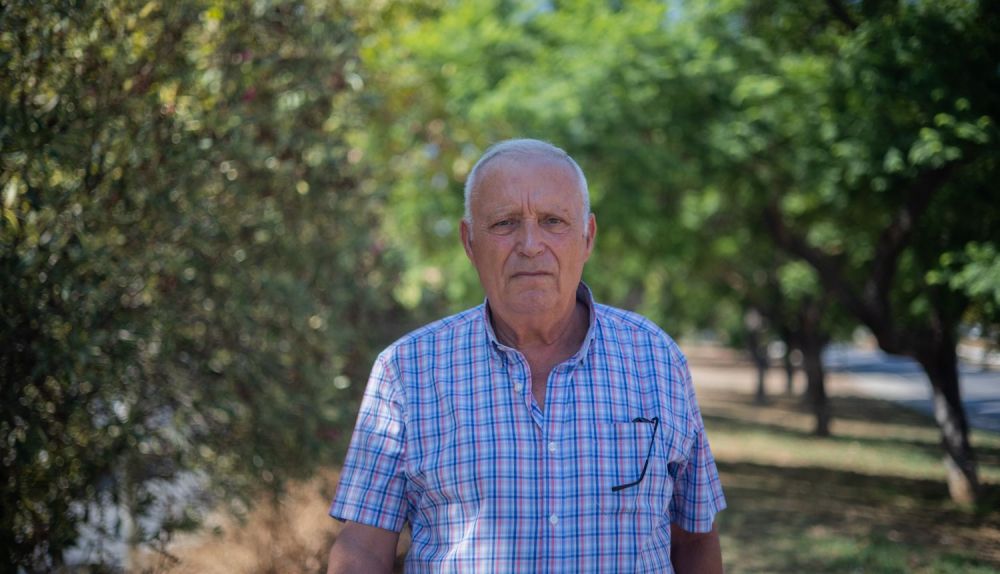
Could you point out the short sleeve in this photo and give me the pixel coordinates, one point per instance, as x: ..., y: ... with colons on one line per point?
x: 372, y: 481
x: 697, y: 496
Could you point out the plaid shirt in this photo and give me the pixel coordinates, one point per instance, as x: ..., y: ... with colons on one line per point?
x: 450, y: 439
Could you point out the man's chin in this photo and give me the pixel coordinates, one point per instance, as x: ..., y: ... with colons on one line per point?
x: 533, y: 299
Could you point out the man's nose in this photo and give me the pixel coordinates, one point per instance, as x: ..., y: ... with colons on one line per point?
x: 530, y: 241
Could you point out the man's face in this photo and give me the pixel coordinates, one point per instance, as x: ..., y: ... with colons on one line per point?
x: 528, y: 238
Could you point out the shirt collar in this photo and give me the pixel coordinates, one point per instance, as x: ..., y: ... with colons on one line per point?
x: 583, y: 294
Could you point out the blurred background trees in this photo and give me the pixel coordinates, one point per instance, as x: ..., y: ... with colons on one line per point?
x: 729, y: 140
x: 215, y: 212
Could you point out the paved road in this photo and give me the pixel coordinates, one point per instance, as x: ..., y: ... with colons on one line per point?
x: 901, y: 380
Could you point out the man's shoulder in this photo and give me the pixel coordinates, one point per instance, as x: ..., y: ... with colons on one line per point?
x: 448, y: 329
x: 628, y: 321
x: 632, y: 324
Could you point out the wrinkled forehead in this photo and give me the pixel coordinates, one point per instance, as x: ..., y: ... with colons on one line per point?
x: 521, y: 173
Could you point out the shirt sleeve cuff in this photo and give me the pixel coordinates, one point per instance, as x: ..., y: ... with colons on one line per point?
x: 368, y: 516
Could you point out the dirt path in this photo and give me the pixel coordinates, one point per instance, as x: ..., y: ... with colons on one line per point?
x: 719, y: 368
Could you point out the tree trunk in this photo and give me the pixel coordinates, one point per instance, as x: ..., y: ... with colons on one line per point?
x: 761, y: 395
x: 941, y: 365
x: 870, y: 302
x: 812, y: 362
x: 789, y: 369
x: 754, y: 323
x: 759, y: 355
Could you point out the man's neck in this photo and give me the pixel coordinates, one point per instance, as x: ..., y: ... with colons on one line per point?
x: 530, y: 336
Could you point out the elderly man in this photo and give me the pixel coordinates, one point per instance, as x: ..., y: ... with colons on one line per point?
x: 539, y: 431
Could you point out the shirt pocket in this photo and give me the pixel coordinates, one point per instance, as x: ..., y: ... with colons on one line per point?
x: 621, y: 451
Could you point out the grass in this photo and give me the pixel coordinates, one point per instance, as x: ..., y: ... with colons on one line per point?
x: 870, y: 436
x: 870, y: 499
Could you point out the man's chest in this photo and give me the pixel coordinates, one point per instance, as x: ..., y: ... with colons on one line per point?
x: 483, y: 447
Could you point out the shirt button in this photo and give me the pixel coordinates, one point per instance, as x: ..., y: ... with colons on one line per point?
x: 518, y: 387
x: 552, y: 447
x: 553, y: 519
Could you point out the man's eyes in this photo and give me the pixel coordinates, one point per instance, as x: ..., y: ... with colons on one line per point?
x: 507, y: 225
x: 503, y: 224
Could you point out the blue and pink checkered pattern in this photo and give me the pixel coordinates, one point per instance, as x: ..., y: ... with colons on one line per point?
x: 450, y: 439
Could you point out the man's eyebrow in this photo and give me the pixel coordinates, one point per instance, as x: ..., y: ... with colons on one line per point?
x: 503, y: 212
x: 559, y: 210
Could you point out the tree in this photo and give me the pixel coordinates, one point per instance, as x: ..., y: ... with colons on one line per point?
x: 886, y: 151
x: 189, y: 260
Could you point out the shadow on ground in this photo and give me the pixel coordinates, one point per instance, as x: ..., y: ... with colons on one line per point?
x: 856, y: 420
x: 789, y: 514
x: 783, y: 519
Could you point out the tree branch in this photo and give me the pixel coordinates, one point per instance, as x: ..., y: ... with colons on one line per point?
x: 828, y: 266
x: 871, y: 305
x: 897, y: 235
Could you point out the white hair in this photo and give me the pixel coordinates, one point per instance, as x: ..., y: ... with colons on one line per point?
x: 524, y: 147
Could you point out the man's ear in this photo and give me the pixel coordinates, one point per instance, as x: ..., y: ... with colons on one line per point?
x: 591, y: 233
x: 466, y: 233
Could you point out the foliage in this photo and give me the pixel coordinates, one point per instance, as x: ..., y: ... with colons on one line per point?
x: 451, y: 79
x: 726, y: 140
x: 191, y: 275
x: 632, y: 107
x: 868, y: 156
x: 975, y: 272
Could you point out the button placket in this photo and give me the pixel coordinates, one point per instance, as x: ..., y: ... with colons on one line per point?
x: 556, y: 410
